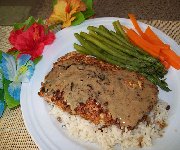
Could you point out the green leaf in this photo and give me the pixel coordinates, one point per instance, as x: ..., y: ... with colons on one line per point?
x: 1, y: 94
x: 37, y: 60
x: 54, y: 2
x: 29, y: 22
x: 79, y: 19
x: 11, y: 103
x: 18, y: 26
x: 14, y: 53
x: 1, y: 54
x: 40, y: 21
x: 88, y: 3
x: 89, y: 11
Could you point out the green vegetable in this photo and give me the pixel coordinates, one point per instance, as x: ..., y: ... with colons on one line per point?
x: 120, y: 29
x: 116, y: 49
x: 81, y: 49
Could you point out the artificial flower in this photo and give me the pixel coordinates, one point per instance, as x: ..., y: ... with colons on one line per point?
x: 2, y: 106
x: 32, y: 40
x: 2, y: 103
x: 1, y: 80
x: 17, y: 72
x: 64, y: 11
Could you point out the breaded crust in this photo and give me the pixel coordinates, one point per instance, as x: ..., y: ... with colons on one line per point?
x: 98, y: 108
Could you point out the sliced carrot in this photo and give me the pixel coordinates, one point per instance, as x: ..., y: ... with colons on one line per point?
x: 139, y: 41
x: 152, y: 44
x: 154, y: 39
x: 171, y: 57
x: 149, y: 35
x: 161, y: 58
x: 166, y: 64
x: 135, y: 23
x: 137, y: 27
x: 153, y: 36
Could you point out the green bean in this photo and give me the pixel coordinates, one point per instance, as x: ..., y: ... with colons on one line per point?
x: 81, y: 49
x: 114, y: 45
x: 120, y: 29
x: 123, y: 52
x: 155, y: 80
x: 117, y: 30
x: 116, y: 49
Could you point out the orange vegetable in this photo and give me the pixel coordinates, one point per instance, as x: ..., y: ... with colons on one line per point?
x: 171, y: 57
x: 151, y: 43
x: 139, y: 41
x: 135, y: 23
x: 166, y: 64
x: 137, y: 27
x: 154, y: 39
x: 149, y: 35
x: 153, y: 36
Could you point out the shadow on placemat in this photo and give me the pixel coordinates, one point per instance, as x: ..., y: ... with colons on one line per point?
x: 19, y: 10
x: 12, y: 11
x: 144, y: 9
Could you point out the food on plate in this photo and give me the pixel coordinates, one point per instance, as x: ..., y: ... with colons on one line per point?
x: 151, y: 43
x: 144, y: 52
x: 103, y: 103
x: 116, y: 49
x: 93, y: 89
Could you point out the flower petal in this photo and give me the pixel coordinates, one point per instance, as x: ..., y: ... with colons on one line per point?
x: 8, y: 66
x: 32, y: 40
x: 62, y: 13
x: 25, y: 69
x: 39, y: 50
x: 13, y: 36
x: 59, y: 11
x: 23, y: 59
x: 77, y: 5
x: 82, y: 6
x: 14, y: 90
x: 50, y: 37
x: 2, y: 107
x: 1, y: 80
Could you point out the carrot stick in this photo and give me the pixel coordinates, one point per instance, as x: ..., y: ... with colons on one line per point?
x: 139, y: 41
x: 166, y: 64
x: 171, y: 57
x: 135, y: 23
x: 149, y: 35
x: 137, y: 27
x: 153, y: 36
x: 154, y: 39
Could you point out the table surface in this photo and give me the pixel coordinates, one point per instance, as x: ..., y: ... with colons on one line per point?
x: 13, y: 133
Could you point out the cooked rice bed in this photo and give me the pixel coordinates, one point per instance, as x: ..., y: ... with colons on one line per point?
x: 107, y: 138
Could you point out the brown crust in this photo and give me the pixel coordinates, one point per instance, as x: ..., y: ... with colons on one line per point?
x: 91, y: 110
x: 87, y: 59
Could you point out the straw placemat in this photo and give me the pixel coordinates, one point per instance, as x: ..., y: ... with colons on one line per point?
x: 13, y: 133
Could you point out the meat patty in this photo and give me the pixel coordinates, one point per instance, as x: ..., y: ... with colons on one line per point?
x: 98, y: 91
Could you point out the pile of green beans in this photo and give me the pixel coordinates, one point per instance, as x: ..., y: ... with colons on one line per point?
x: 115, y: 48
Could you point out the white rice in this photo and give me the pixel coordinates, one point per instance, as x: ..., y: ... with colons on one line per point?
x: 142, y: 136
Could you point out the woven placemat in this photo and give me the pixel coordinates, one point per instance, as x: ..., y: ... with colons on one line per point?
x: 13, y: 133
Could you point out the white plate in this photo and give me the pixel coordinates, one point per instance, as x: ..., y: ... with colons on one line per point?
x: 44, y: 128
